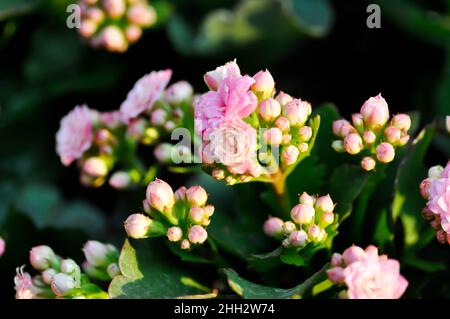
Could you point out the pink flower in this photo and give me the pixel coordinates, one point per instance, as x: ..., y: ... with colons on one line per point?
x: 23, y: 284
x: 2, y: 246
x: 144, y: 94
x: 110, y: 119
x: 439, y: 198
x: 213, y: 79
x: 74, y: 136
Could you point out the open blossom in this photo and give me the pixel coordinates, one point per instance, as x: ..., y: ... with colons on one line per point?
x: 74, y: 136
x: 144, y: 94
x: 366, y: 275
x: 214, y: 78
x: 23, y: 285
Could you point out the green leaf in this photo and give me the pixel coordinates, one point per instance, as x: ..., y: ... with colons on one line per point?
x: 148, y: 271
x: 11, y: 8
x: 249, y: 290
x: 267, y: 261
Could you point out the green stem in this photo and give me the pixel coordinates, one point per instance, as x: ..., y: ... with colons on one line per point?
x: 279, y: 186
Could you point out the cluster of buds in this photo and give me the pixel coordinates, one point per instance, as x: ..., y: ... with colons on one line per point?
x: 366, y: 275
x: 372, y: 134
x: 311, y: 220
x: 114, y: 24
x: 248, y: 131
x: 63, y: 278
x: 181, y: 216
x: 101, y: 142
x: 436, y: 190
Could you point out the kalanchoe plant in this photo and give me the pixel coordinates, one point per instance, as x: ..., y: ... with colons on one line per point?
x: 371, y: 134
x: 436, y: 189
x: 181, y: 216
x: 115, y: 24
x: 63, y: 278
x: 363, y: 274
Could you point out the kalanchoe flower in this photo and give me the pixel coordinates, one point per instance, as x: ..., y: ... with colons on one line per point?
x: 241, y: 121
x: 364, y: 274
x: 101, y: 260
x: 436, y: 190
x: 24, y: 285
x: 182, y: 216
x: 372, y: 134
x: 42, y: 257
x: 311, y: 222
x: 2, y: 246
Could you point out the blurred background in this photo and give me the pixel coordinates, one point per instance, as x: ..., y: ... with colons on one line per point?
x: 318, y: 50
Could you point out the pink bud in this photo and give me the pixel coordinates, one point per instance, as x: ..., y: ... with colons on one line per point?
x: 353, y: 143
x: 114, y: 8
x: 2, y: 246
x: 197, y: 234
x: 289, y: 227
x: 96, y: 253
x: 385, y: 152
x: 375, y: 112
x: 427, y: 214
x: 218, y: 174
x: 146, y: 206
x: 338, y: 125
x: 404, y: 138
x: 269, y: 109
x: 137, y: 226
x: 196, y: 214
x: 287, y: 139
x: 368, y: 163
x: 95, y: 167
x: 436, y: 223
x: 136, y: 128
x: 336, y: 260
x: 369, y: 137
x: 424, y: 187
x: 87, y: 28
x: 283, y: 98
x: 392, y: 134
x: 298, y: 238
x: 42, y: 257
x: 185, y: 244
x: 290, y: 154
x: 264, y: 83
x: 358, y: 121
x: 120, y: 180
x: 401, y: 121
x: 324, y: 204
x: 273, y: 227
x: 282, y: 123
x: 214, y: 78
x: 62, y: 284
x: 142, y: 15
x: 296, y: 111
x: 179, y: 92
x: 95, y: 14
x: 305, y: 133
x: 133, y: 33
x: 196, y: 196
x: 441, y: 236
x: 174, y: 234
x: 336, y: 275
x: 158, y: 117
x: 347, y: 129
x: 353, y: 254
x: 47, y: 275
x: 180, y: 193
x: 303, y: 147
x: 302, y: 214
x: 160, y: 195
x: 338, y: 146
x: 169, y: 126
x: 113, y: 270
x: 163, y: 153
x: 316, y: 233
x: 113, y: 39
x: 306, y: 199
x: 273, y: 136
x: 326, y: 219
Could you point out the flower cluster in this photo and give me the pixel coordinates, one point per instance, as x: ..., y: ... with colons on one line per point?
x: 372, y: 134
x: 436, y: 189
x: 367, y: 275
x: 101, y: 142
x: 63, y: 278
x: 241, y: 116
x: 114, y: 24
x: 311, y: 221
x: 181, y: 216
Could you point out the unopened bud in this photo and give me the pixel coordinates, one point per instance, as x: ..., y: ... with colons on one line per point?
x: 160, y: 195
x: 47, y: 275
x: 158, y: 117
x: 142, y: 15
x: 302, y: 214
x: 336, y: 260
x: 282, y: 123
x: 163, y: 153
x: 269, y: 109
x: 179, y: 92
x: 289, y: 227
x: 197, y: 234
x: 353, y: 254
x: 358, y: 122
x: 174, y: 234
x: 283, y: 98
x: 305, y: 133
x: 113, y: 39
x: 326, y: 219
x: 290, y: 154
x: 208, y: 210
x: 273, y: 227
x: 114, y: 8
x: 185, y: 244
x: 180, y: 193
x: 120, y: 180
x: 273, y: 136
x: 324, y: 204
x: 95, y: 167
x: 385, y: 152
x: 169, y: 126
x: 298, y: 238
x: 218, y: 174
x: 296, y: 111
x: 375, y: 112
x: 368, y: 163
x: 137, y: 226
x: 441, y: 236
x: 70, y: 267
x: 401, y: 121
x: 336, y: 275
x: 113, y: 270
x: 87, y: 28
x: 353, y: 143
x: 196, y: 196
x: 264, y: 84
x: 338, y: 146
x: 2, y: 246
x: 424, y: 187
x: 427, y: 214
x: 316, y: 233
x: 306, y: 199
x: 196, y: 214
x: 369, y: 137
x: 96, y: 253
x: 42, y: 257
x: 133, y: 33
x: 392, y: 134
x: 62, y: 284
x: 435, y: 172
x: 338, y: 125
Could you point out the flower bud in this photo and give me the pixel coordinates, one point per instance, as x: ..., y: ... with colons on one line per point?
x: 302, y: 214
x: 95, y: 167
x: 427, y: 214
x: 169, y: 126
x: 179, y: 92
x: 324, y: 204
x: 133, y: 33
x: 47, y: 275
x: 441, y: 236
x: 401, y: 121
x: 436, y: 223
x: 185, y: 244
x: 306, y: 199
x: 303, y: 147
x: 264, y: 84
x: 358, y: 122
x: 136, y: 128
x: 326, y: 219
x: 316, y: 233
x: 353, y: 143
x: 435, y: 172
x: 62, y: 284
x: 338, y: 125
x: 114, y: 8
x: 160, y: 195
x: 336, y: 260
x: 70, y: 267
x: 298, y: 238
x: 392, y: 134
x: 282, y: 123
x: 424, y: 186
x: 283, y: 98
x: 163, y: 152
x: 353, y: 254
x: 368, y: 163
x: 289, y: 227
x: 87, y: 28
x: 42, y: 257
x: 113, y: 270
x: 158, y: 117
x: 180, y: 194
x: 404, y: 138
x: 196, y: 196
x: 197, y: 234
x: 230, y: 180
x: 218, y: 174
x: 338, y: 146
x: 290, y: 154
x: 95, y: 14
x: 375, y: 112
x: 296, y: 111
x: 369, y: 137
x: 137, y: 226
x: 273, y: 227
x: 120, y: 180
x: 2, y: 246
x: 269, y: 109
x: 174, y: 234
x: 305, y: 133
x: 447, y: 123
x: 385, y: 152
x: 142, y: 15
x: 273, y: 136
x: 96, y: 253
x: 208, y: 210
x: 113, y: 39
x: 336, y: 275
x: 196, y: 214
